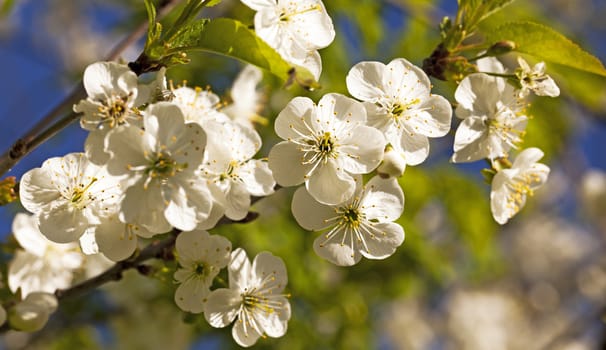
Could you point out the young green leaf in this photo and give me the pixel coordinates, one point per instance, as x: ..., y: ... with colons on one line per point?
x: 547, y: 44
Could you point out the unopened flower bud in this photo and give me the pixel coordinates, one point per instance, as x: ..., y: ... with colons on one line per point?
x: 393, y: 164
x: 501, y: 48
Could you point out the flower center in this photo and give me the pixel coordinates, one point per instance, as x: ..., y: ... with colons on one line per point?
x: 230, y: 171
x: 521, y: 187
x: 163, y: 166
x: 114, y: 111
x: 200, y: 269
x: 79, y: 193
x: 286, y: 15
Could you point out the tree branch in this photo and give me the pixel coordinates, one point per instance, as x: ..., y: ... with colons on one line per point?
x: 41, y: 132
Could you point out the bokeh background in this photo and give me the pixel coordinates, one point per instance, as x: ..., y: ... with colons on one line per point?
x: 459, y: 281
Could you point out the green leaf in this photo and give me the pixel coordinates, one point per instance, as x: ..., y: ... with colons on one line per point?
x: 211, y: 3
x: 547, y: 44
x: 232, y: 38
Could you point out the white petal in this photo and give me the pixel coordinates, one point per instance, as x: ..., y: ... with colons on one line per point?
x: 527, y: 157
x: 363, y: 149
x: 286, y: 163
x: 221, y: 307
x: 190, y: 295
x: 26, y: 232
x: 257, y: 178
x: 63, y: 223
x: 267, y: 264
x: 384, y: 243
x: 275, y: 324
x: 294, y: 117
x: 365, y: 81
x: 309, y: 213
x: 335, y: 252
x: 330, y: 185
x: 37, y: 190
x: 145, y: 207
x: 101, y: 79
x: 383, y: 200
x: 239, y: 270
x: 116, y: 240
x: 414, y: 147
x: 179, y: 212
x: 244, y: 334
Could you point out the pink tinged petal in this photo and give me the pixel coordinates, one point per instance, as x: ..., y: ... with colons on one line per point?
x: 38, y: 190
x: 239, y: 270
x: 384, y: 241
x: 336, y: 252
x: 179, y: 212
x: 363, y: 150
x: 295, y: 118
x: 286, y: 163
x: 330, y: 185
x: 309, y: 213
x: 414, y: 147
x: 269, y: 270
x: 244, y: 332
x: 145, y: 207
x: 190, y: 295
x: 222, y: 306
x: 116, y: 240
x: 383, y: 200
x: 365, y: 81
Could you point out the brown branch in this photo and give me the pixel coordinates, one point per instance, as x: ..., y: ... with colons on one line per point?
x: 41, y: 132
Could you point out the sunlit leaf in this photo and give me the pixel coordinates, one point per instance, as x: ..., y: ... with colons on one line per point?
x: 547, y: 44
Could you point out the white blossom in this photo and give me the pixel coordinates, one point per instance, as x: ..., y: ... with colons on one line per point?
x: 295, y: 29
x: 198, y: 105
x: 362, y: 226
x: 232, y: 175
x: 68, y: 195
x: 254, y: 297
x: 492, y: 117
x: 400, y: 104
x: 32, y: 313
x: 510, y: 187
x: 201, y: 256
x: 534, y: 79
x: 324, y: 146
x: 113, y: 97
x: 247, y: 100
x: 42, y: 265
x: 160, y: 163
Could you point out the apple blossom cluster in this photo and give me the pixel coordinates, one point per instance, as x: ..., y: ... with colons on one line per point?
x: 491, y: 109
